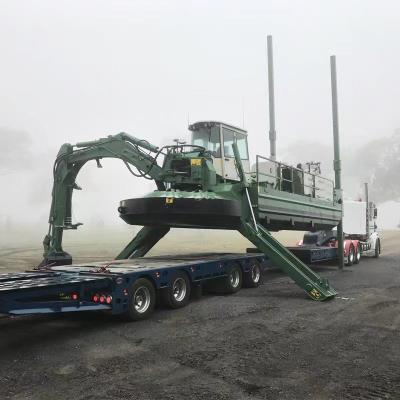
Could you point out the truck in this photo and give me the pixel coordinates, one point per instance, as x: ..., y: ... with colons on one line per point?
x: 361, y: 237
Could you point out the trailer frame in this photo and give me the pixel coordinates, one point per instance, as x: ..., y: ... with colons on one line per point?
x: 71, y: 288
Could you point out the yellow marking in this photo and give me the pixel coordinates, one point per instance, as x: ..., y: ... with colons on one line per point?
x: 169, y: 200
x: 314, y: 293
x: 196, y: 162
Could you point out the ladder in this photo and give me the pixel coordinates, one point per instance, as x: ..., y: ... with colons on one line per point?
x: 316, y: 287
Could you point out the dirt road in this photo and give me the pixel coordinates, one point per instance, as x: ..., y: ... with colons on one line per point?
x: 266, y: 343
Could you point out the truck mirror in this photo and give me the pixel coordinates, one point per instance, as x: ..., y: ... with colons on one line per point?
x: 375, y: 212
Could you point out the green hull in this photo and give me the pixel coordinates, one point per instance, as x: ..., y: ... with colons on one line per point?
x: 222, y: 209
x: 279, y: 210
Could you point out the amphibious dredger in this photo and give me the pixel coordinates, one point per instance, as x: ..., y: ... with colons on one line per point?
x: 207, y: 184
x: 210, y: 184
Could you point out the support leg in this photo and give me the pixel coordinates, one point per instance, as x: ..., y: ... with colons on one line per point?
x: 315, y: 286
x: 145, y: 240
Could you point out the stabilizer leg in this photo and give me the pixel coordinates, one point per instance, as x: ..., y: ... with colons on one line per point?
x: 316, y: 287
x: 143, y: 242
x: 53, y: 252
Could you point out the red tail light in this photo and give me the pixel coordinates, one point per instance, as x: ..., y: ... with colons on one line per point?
x: 102, y: 298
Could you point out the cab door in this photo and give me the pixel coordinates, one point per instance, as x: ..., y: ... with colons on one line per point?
x: 228, y: 137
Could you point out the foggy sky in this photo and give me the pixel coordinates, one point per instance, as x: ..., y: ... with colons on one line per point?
x: 73, y: 71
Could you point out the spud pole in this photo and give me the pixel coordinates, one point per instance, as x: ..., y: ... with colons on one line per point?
x: 271, y: 100
x: 336, y: 160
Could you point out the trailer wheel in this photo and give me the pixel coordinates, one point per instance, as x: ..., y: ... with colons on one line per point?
x: 377, y: 248
x: 358, y: 254
x: 142, y: 298
x: 350, y: 256
x: 177, y: 295
x: 232, y: 283
x: 252, y: 278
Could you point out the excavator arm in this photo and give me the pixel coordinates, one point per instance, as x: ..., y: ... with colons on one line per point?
x: 70, y: 160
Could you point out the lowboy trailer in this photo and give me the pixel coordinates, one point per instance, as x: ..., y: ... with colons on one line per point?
x: 127, y: 287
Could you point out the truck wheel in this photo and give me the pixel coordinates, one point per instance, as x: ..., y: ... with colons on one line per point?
x: 358, y: 255
x: 377, y: 248
x: 232, y: 283
x: 142, y: 298
x: 350, y: 256
x: 178, y: 293
x: 252, y: 278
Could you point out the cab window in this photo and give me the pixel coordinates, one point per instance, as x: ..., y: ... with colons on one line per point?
x: 241, y: 142
x: 229, y: 137
x: 209, y: 139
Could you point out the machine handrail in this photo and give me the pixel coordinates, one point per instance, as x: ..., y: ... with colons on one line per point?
x: 281, y: 179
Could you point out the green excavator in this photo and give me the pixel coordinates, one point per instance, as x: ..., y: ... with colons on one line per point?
x: 208, y: 184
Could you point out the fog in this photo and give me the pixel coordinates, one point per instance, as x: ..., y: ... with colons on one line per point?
x: 74, y: 71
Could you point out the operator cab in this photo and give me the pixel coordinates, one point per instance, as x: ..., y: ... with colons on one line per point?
x: 217, y: 138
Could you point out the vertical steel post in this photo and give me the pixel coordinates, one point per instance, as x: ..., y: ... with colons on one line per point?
x: 336, y: 162
x: 367, y: 205
x: 271, y: 98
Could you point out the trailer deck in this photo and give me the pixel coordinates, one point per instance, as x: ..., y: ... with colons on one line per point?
x: 105, y: 285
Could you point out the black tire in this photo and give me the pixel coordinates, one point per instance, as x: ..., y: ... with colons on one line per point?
x: 357, y: 257
x: 252, y: 278
x: 177, y: 295
x: 350, y: 256
x: 377, y: 248
x: 196, y: 291
x: 141, y: 301
x: 232, y: 283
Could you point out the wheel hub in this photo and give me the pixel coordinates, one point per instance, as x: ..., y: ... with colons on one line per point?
x: 141, y: 299
x: 255, y: 273
x: 179, y: 289
x: 234, y: 278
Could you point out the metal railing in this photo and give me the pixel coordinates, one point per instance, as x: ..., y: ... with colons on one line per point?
x: 290, y: 179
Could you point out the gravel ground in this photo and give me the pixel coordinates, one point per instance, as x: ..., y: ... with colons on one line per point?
x: 266, y: 343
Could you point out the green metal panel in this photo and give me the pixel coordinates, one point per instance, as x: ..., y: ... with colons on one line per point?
x: 315, y: 286
x: 301, y: 211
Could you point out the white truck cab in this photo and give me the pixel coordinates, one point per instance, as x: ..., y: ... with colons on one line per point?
x: 360, y: 223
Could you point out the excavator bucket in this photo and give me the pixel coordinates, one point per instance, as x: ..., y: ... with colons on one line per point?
x: 316, y: 287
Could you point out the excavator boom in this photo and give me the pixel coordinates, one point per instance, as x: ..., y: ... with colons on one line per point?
x: 70, y: 160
